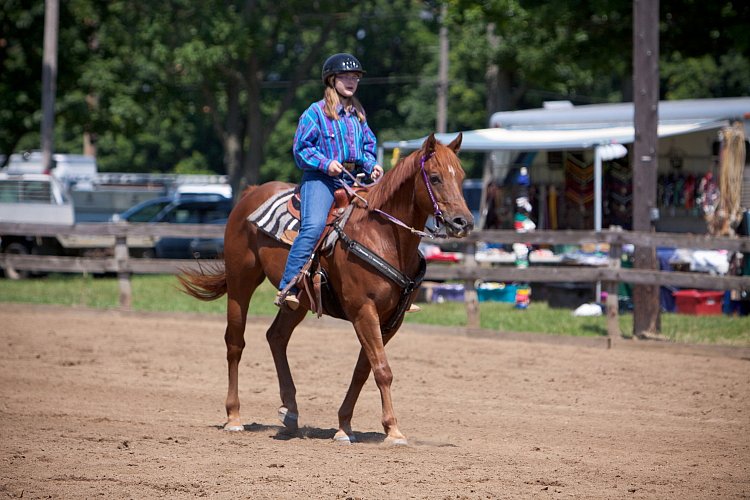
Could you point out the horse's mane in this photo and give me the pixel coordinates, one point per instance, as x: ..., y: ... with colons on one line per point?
x: 406, y: 170
x: 392, y: 181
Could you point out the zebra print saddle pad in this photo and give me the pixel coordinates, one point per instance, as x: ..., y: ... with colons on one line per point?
x: 278, y: 217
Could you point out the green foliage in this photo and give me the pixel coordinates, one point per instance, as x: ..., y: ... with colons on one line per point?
x: 695, y: 77
x: 21, y: 35
x: 218, y: 86
x: 196, y: 164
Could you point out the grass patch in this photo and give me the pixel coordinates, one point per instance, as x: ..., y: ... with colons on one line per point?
x: 161, y: 293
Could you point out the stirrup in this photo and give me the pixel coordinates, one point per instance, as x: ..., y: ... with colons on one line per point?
x: 288, y: 299
x: 413, y: 308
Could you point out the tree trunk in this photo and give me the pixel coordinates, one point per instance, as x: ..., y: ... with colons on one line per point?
x: 232, y: 138
x: 255, y: 126
x: 89, y: 137
x: 491, y: 76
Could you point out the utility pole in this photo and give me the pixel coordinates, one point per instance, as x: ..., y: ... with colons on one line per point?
x: 49, y: 81
x: 442, y: 86
x: 645, y: 154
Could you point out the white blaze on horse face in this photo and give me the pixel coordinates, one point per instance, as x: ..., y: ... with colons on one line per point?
x: 451, y: 170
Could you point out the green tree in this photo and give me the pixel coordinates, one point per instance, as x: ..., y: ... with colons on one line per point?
x: 232, y: 51
x: 219, y: 85
x: 704, y: 49
x: 20, y: 72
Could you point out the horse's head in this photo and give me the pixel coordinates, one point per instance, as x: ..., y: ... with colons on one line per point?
x: 441, y: 193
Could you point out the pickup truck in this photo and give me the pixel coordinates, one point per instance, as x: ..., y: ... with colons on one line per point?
x: 33, y: 199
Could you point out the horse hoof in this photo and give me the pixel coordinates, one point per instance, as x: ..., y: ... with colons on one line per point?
x: 234, y: 428
x: 342, y: 437
x: 391, y: 441
x: 289, y: 419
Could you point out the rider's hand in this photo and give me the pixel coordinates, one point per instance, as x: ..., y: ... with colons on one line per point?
x: 335, y: 168
x: 377, y: 172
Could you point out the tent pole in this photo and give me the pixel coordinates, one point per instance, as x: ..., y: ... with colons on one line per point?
x: 597, y: 189
x: 598, y: 207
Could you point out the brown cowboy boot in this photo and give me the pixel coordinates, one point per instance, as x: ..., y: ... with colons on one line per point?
x: 289, y: 299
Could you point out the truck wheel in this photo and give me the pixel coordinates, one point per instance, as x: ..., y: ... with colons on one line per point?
x: 17, y: 249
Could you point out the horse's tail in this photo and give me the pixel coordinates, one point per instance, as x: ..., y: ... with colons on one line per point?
x: 204, y: 284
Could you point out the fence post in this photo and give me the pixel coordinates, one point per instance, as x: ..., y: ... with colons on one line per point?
x: 470, y: 292
x: 613, y: 303
x: 123, y: 272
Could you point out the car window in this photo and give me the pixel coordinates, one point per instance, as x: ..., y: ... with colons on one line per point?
x: 213, y: 213
x: 147, y: 213
x: 184, y: 215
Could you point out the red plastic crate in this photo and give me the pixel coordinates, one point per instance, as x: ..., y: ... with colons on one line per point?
x: 698, y: 302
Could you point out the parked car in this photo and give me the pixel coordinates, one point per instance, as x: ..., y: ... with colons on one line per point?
x: 183, y: 209
x: 188, y: 248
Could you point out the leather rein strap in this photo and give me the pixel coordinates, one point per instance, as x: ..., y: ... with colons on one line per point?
x: 437, y: 213
x: 407, y: 284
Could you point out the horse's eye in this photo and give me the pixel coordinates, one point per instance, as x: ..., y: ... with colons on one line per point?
x: 435, y: 179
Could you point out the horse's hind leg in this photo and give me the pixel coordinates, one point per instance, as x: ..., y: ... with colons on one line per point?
x: 240, y: 287
x: 346, y: 411
x: 278, y: 336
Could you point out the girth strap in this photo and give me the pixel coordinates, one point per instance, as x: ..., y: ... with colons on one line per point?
x: 376, y: 261
x: 407, y: 284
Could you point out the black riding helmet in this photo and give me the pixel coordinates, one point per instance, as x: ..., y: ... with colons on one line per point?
x: 340, y: 63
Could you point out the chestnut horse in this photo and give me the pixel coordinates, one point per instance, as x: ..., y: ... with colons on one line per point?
x: 427, y: 182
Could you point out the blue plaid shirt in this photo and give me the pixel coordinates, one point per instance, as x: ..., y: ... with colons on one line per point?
x: 320, y: 140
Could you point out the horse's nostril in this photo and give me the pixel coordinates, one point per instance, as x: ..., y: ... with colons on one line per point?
x: 459, y: 222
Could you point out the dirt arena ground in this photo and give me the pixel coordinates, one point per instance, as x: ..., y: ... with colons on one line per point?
x: 119, y: 405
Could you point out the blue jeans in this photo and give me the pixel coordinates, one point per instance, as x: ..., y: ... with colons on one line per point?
x: 316, y: 196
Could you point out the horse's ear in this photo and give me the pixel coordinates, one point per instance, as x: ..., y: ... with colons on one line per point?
x: 429, y: 144
x: 455, y: 144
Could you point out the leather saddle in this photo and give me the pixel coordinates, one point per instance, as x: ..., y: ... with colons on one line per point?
x: 341, y: 200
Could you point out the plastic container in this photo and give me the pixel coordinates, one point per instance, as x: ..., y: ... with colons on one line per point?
x: 698, y: 302
x: 523, y: 297
x: 496, y: 292
x: 447, y: 292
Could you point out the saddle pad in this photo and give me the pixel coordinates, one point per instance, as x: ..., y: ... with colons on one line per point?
x: 274, y: 219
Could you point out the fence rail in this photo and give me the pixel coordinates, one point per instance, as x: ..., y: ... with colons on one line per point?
x: 468, y: 272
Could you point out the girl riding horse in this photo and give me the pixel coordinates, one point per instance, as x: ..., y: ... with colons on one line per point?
x: 332, y: 135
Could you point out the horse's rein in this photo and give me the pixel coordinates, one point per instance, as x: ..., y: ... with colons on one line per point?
x: 437, y: 213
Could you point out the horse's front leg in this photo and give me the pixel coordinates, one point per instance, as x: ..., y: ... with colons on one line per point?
x: 346, y: 411
x: 278, y: 336
x: 367, y: 326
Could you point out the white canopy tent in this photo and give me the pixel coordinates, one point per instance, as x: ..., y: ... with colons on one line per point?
x: 494, y: 139
x: 597, y: 127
